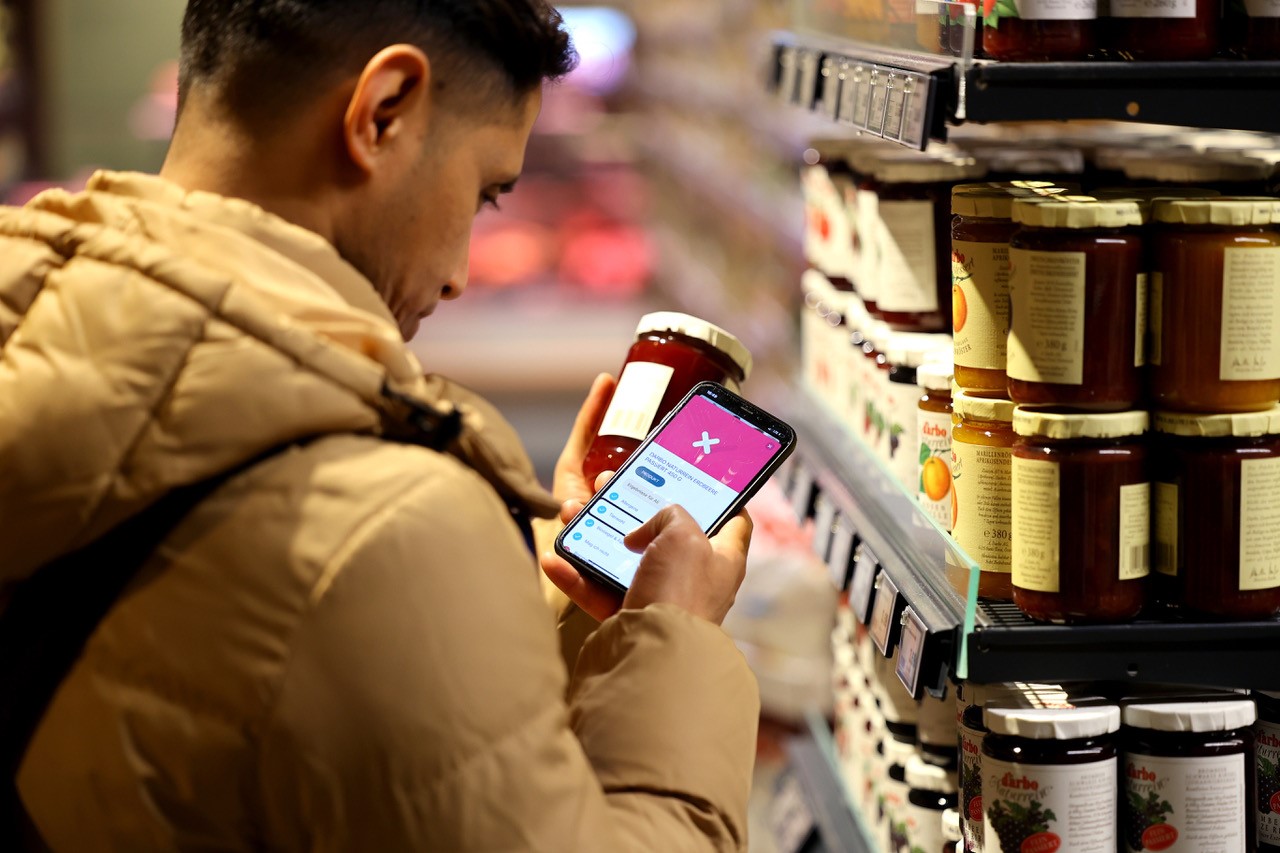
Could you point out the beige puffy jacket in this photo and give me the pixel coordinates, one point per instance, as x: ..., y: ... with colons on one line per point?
x: 345, y: 647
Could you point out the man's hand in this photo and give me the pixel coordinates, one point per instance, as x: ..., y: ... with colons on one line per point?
x: 570, y: 484
x: 679, y: 565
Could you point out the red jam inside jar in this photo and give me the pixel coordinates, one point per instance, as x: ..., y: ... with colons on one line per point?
x: 672, y: 353
x: 1168, y: 32
x: 1037, y: 31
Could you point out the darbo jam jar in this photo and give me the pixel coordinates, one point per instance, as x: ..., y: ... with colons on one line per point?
x: 1217, y: 509
x: 1215, y: 305
x: 1039, y: 30
x: 933, y: 442
x: 1049, y: 780
x: 1078, y: 321
x: 981, y: 492
x: 1169, y: 30
x: 1266, y: 806
x: 672, y: 353
x: 932, y: 792
x: 1074, y: 473
x: 1186, y: 777
x: 980, y: 234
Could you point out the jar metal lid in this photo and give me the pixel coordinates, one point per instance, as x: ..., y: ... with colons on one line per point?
x: 1076, y: 212
x: 1241, y: 425
x: 915, y: 169
x: 1192, y: 716
x: 981, y: 408
x: 1030, y: 422
x: 897, y: 752
x: 924, y: 776
x: 1228, y: 210
x: 1053, y: 724
x: 935, y: 375
x: 951, y: 826
x: 912, y: 349
x: 698, y: 329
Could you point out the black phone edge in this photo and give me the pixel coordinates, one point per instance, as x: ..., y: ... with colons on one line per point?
x: 740, y: 403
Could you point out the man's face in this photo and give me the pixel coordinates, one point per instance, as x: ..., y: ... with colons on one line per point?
x: 410, y: 225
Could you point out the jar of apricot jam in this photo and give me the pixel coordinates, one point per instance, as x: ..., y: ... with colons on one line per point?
x: 1073, y: 473
x: 1253, y: 29
x: 981, y: 453
x: 1039, y: 30
x: 672, y: 353
x: 1217, y: 510
x: 1215, y: 305
x: 980, y: 232
x: 1227, y: 174
x: 1172, y: 32
x: 1078, y: 288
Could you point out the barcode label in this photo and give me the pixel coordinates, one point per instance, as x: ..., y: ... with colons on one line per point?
x: 1166, y: 525
x: 636, y: 400
x: 1135, y: 531
x: 1166, y: 558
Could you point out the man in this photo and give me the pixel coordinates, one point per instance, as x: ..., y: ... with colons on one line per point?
x: 344, y: 647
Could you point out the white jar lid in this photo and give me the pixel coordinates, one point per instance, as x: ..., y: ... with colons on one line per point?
x: 897, y: 752
x: 924, y: 776
x: 1192, y: 716
x: 698, y: 329
x: 935, y: 375
x: 1029, y: 422
x: 1241, y: 425
x: 1053, y: 723
x: 912, y: 349
x: 878, y: 333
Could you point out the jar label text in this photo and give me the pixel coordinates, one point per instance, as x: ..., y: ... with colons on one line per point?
x: 1166, y: 524
x: 1046, y: 333
x: 1184, y: 805
x: 980, y: 304
x: 1057, y: 10
x: 636, y: 399
x: 983, y: 527
x: 908, y: 257
x: 1036, y: 507
x: 1135, y: 531
x: 934, y: 448
x: 1049, y: 807
x: 1250, y: 314
x: 1267, y: 807
x: 1153, y: 8
x: 1259, y: 520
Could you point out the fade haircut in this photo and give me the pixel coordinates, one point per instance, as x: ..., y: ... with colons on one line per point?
x: 264, y: 57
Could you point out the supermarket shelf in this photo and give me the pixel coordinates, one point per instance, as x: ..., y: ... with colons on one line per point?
x: 851, y: 494
x: 813, y: 763
x: 846, y: 82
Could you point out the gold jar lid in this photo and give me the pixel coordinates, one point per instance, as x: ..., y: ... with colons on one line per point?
x: 1228, y: 210
x: 1077, y: 212
x: 1031, y: 422
x: 1240, y: 425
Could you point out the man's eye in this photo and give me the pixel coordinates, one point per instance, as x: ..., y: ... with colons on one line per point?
x: 490, y: 201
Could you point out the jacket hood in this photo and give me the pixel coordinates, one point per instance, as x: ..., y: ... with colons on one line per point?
x: 151, y: 338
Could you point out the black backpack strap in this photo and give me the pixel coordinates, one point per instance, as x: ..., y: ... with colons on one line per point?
x: 49, y: 618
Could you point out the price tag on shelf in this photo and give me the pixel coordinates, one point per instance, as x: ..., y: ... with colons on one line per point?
x: 879, y: 100
x: 910, y: 650
x: 895, y: 100
x: 861, y: 587
x: 881, y: 626
x: 838, y: 559
x: 862, y: 97
x: 802, y: 492
x: 832, y: 79
x: 790, y: 71
x: 916, y: 101
x: 809, y: 66
x: 789, y: 815
x: 824, y: 516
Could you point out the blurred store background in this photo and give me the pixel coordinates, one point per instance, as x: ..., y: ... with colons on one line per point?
x: 661, y: 176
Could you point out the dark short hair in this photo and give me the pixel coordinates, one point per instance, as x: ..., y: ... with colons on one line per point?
x: 263, y: 55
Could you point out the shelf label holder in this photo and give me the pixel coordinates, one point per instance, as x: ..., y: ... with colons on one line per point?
x: 863, y: 584
x: 886, y: 603
x: 824, y: 516
x: 911, y: 650
x: 838, y: 558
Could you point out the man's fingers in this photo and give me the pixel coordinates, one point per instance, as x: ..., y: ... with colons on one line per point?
x: 602, y: 479
x: 639, y: 539
x: 569, y: 509
x: 587, y: 423
x: 596, y: 601
x: 734, y: 539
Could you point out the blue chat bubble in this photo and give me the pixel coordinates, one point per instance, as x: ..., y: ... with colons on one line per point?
x: 613, y: 496
x: 648, y: 476
x: 601, y: 509
x: 577, y: 536
x: 591, y: 522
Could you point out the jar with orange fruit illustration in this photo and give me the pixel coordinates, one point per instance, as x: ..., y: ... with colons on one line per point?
x: 933, y: 429
x: 981, y: 501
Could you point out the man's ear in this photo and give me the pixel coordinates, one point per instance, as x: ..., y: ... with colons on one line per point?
x: 393, y: 89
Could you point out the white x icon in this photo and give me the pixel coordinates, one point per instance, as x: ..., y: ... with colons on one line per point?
x: 707, y: 442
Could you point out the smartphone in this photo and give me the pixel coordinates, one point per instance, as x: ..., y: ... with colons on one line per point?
x: 709, y: 455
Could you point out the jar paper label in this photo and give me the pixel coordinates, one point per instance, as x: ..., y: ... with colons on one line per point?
x: 1036, y: 508
x: 1153, y: 8
x: 1250, y: 314
x: 1259, y: 521
x: 895, y: 796
x: 636, y: 399
x: 980, y: 480
x: 1135, y: 531
x: 1166, y: 518
x: 1045, y: 807
x: 1184, y: 805
x: 841, y: 257
x: 1262, y: 8
x: 868, y: 231
x: 970, y: 782
x: 1046, y: 333
x: 924, y: 829
x: 902, y: 408
x: 1155, y: 319
x: 908, y: 257
x: 1267, y: 750
x: 934, y: 448
x: 980, y: 303
x: 1055, y: 10
x: 1140, y: 322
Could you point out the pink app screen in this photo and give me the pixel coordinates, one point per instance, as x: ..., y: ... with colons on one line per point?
x: 720, y: 445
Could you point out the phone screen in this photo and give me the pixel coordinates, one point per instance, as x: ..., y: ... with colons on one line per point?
x: 704, y: 458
